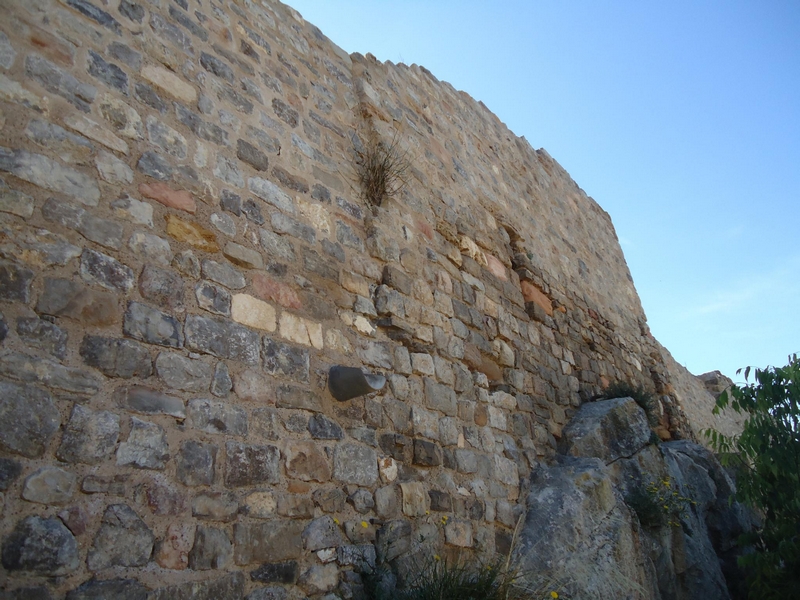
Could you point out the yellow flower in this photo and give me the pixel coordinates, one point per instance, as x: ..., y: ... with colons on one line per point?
x: 364, y: 524
x: 335, y: 520
x: 554, y: 594
x: 437, y: 557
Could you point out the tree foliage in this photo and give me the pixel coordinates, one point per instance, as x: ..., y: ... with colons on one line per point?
x: 766, y: 456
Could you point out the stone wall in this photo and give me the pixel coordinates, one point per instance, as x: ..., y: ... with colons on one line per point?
x: 184, y: 253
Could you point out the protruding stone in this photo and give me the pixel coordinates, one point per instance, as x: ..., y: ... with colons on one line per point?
x: 50, y: 175
x: 123, y: 540
x: 213, y: 298
x: 164, y: 287
x: 322, y: 428
x: 170, y: 83
x: 223, y: 274
x: 44, y: 335
x: 15, y: 282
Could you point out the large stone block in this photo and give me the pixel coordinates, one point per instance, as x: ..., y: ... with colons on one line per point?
x: 150, y: 325
x: 194, y: 464
x: 217, y: 417
x: 123, y: 540
x: 28, y: 419
x: 357, y: 464
x: 89, y: 437
x: 267, y: 541
x: 182, y: 373
x: 146, y: 447
x: 42, y: 546
x: 222, y: 338
x: 251, y: 465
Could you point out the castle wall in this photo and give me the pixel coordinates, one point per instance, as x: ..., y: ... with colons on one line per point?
x: 184, y: 254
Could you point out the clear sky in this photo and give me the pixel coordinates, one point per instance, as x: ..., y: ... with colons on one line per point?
x: 680, y: 118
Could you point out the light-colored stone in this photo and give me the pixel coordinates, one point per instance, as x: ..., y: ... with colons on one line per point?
x: 173, y: 552
x: 387, y: 467
x: 416, y: 502
x: 170, y: 83
x: 50, y: 485
x: 112, y: 169
x: 250, y: 311
x: 301, y: 331
x: 11, y: 91
x: 94, y: 131
x: 261, y: 505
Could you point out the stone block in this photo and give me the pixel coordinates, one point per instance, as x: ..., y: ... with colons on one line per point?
x: 322, y: 532
x: 226, y: 587
x: 281, y: 572
x: 49, y: 373
x: 43, y: 335
x: 223, y: 274
x: 212, y: 549
x: 146, y: 447
x: 123, y: 540
x: 354, y: 463
x: 222, y: 338
x: 459, y: 533
x: 89, y: 437
x: 307, y: 462
x: 192, y: 233
x: 169, y: 82
x: 119, y: 589
x: 427, y: 454
x: 179, y: 372
x: 28, y: 419
x: 213, y: 298
x: 42, y: 546
x: 194, y: 463
x: 15, y: 282
x: 291, y: 396
x: 415, y: 500
x: 251, y: 465
x: 323, y: 428
x: 116, y: 357
x: 50, y: 175
x: 267, y: 541
x: 150, y: 325
x: 106, y: 271
x: 250, y: 311
x: 215, y: 506
x: 273, y: 290
x: 217, y: 417
x: 50, y: 485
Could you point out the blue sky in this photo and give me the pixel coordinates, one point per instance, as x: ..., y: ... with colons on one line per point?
x: 681, y: 118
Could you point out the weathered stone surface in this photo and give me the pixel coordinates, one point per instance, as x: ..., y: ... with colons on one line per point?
x: 250, y: 465
x: 151, y: 248
x: 222, y: 338
x: 122, y: 118
x: 15, y: 202
x: 213, y: 298
x: 322, y: 428
x: 286, y: 225
x: 164, y: 287
x: 243, y: 256
x: 276, y: 291
x: 38, y: 248
x: 169, y: 82
x: 292, y: 396
x: 7, y: 52
x: 459, y: 533
x: 116, y: 357
x: 248, y: 153
x: 95, y: 131
x: 105, y: 270
x: 42, y: 546
x: 50, y: 485
x: 280, y: 572
x: 221, y: 383
x: 95, y: 14
x: 441, y: 397
x: 173, y: 551
x: 50, y: 175
x: 67, y: 146
x: 362, y: 501
x: 286, y: 360
x: 267, y: 541
x: 357, y: 464
x: 276, y: 245
x: 320, y: 578
x: 228, y: 171
x: 11, y: 91
x: 10, y: 469
x: 195, y: 463
x: 192, y: 233
x: 305, y: 461
x: 223, y: 274
x: 301, y: 331
x: 215, y: 506
x: 250, y: 311
x: 183, y: 373
x: 224, y: 223
x: 112, y: 169
x: 146, y: 447
x: 48, y: 373
x: 118, y: 589
x: 150, y: 325
x: 152, y: 402
x: 102, y: 231
x: 15, y: 282
x: 217, y: 417
x: 415, y: 499
x: 89, y: 437
x: 44, y: 335
x: 265, y: 424
x: 64, y: 298
x: 227, y: 587
x: 608, y: 430
x: 285, y: 112
x: 212, y: 549
x: 123, y: 540
x: 260, y: 505
x: 268, y: 191
x: 427, y: 454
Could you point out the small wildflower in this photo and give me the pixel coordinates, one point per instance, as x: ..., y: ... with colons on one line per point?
x: 335, y: 520
x: 364, y: 524
x: 437, y: 557
x: 554, y: 595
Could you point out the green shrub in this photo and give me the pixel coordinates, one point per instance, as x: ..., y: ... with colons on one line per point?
x: 767, y: 459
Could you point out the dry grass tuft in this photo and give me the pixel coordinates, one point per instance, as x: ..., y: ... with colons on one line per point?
x: 381, y: 167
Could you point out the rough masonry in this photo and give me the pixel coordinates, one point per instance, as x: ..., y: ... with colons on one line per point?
x: 184, y: 253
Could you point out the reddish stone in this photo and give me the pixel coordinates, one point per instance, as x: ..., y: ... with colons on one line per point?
x: 267, y: 288
x: 173, y: 552
x: 161, y: 192
x: 298, y: 487
x: 490, y: 369
x: 496, y: 267
x: 424, y: 228
x: 48, y: 45
x: 531, y: 293
x: 75, y: 518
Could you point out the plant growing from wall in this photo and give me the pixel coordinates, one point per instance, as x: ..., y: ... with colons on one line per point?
x: 766, y: 457
x: 381, y: 167
x: 658, y: 503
